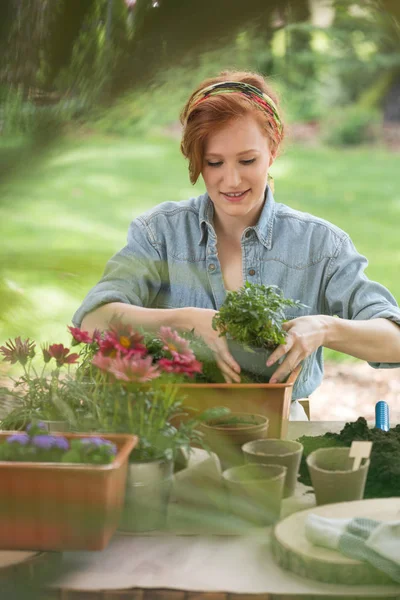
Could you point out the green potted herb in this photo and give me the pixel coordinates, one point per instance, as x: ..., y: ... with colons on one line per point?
x: 251, y: 318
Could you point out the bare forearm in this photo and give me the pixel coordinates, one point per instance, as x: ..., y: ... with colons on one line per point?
x: 137, y: 316
x: 374, y: 340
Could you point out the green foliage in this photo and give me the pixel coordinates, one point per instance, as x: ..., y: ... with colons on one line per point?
x: 21, y: 117
x: 95, y: 451
x: 149, y: 413
x: 351, y: 126
x: 253, y: 316
x: 159, y: 103
x: 95, y: 55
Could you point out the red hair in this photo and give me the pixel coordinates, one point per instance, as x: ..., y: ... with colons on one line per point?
x: 217, y: 111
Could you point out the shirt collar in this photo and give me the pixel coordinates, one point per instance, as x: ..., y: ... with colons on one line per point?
x: 265, y: 224
x: 263, y: 228
x: 206, y: 215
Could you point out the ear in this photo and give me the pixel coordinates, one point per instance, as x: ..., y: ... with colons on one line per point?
x: 272, y: 157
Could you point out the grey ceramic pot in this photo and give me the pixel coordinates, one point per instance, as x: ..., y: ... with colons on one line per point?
x: 254, y: 361
x: 148, y: 488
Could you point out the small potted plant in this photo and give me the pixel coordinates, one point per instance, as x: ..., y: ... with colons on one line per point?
x: 42, y: 391
x: 134, y: 388
x: 251, y: 318
x: 61, y: 491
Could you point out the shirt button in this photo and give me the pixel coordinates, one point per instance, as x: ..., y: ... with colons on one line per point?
x: 211, y: 267
x: 252, y: 272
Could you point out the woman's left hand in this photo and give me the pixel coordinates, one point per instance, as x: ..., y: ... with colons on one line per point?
x: 305, y: 335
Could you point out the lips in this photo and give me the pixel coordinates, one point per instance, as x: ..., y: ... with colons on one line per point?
x: 235, y: 198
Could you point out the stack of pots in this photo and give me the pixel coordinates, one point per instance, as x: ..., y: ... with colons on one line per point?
x: 258, y: 472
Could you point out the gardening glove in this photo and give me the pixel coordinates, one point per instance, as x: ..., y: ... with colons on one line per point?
x: 363, y: 539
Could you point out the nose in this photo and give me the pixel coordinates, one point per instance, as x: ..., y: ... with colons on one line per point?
x: 231, y: 179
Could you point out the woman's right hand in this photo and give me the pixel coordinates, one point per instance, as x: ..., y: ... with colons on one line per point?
x: 200, y: 320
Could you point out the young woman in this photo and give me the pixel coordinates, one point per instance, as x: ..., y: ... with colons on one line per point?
x: 182, y: 257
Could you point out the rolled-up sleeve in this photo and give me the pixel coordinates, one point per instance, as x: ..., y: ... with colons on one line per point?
x: 349, y: 293
x: 132, y: 276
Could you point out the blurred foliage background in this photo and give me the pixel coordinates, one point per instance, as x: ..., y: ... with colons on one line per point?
x: 90, y: 94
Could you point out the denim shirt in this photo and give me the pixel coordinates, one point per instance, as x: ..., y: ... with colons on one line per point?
x: 171, y: 261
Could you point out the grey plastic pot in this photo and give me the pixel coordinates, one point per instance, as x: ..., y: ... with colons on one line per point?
x: 253, y: 361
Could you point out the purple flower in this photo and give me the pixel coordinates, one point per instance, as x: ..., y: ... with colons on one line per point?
x: 98, y: 442
x: 46, y: 442
x: 95, y: 441
x: 61, y: 443
x: 19, y: 438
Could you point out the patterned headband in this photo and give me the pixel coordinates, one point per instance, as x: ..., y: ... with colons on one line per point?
x: 254, y: 94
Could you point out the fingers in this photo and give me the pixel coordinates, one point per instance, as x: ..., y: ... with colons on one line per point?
x: 288, y: 365
x: 228, y: 365
x: 229, y: 374
x: 226, y: 362
x: 279, y: 352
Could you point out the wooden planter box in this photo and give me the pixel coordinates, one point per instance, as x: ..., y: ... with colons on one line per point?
x: 62, y: 506
x: 271, y: 400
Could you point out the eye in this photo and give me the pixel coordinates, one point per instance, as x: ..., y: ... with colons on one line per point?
x: 214, y: 164
x: 248, y: 162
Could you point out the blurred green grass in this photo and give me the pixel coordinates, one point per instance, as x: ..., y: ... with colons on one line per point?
x: 63, y: 219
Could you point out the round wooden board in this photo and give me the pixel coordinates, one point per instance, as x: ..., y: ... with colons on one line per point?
x: 295, y: 553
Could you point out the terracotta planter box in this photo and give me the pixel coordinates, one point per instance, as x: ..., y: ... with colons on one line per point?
x: 62, y: 506
x: 270, y: 400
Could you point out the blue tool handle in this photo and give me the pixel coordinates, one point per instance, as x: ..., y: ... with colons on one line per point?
x: 382, y: 415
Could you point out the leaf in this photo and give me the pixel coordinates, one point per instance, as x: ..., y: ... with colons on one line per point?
x: 213, y: 413
x: 253, y: 315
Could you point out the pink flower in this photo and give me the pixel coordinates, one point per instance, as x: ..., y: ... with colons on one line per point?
x: 18, y: 351
x: 174, y: 343
x: 134, y: 370
x: 122, y: 340
x: 181, y: 363
x: 101, y: 362
x: 80, y: 336
x: 61, y: 355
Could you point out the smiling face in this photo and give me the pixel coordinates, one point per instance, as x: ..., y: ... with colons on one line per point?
x: 235, y: 170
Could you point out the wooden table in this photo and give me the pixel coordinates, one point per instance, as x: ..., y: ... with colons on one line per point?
x: 22, y: 572
x: 291, y: 587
